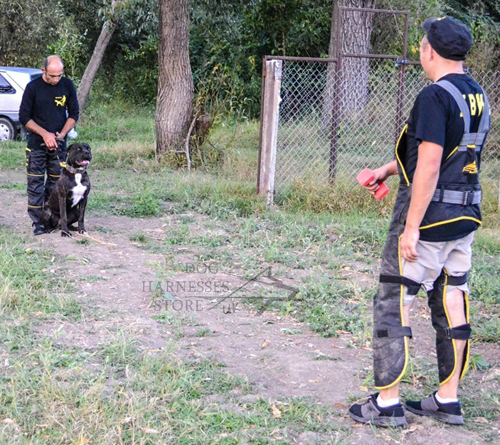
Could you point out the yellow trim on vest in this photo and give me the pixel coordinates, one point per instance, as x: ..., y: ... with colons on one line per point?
x: 402, y: 321
x: 27, y: 149
x: 405, y: 128
x: 31, y: 174
x: 452, y: 340
x: 35, y: 207
x: 467, y: 344
x: 55, y: 176
x: 451, y: 221
x: 452, y: 153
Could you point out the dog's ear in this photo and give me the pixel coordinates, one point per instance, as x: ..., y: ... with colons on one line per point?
x: 71, y: 146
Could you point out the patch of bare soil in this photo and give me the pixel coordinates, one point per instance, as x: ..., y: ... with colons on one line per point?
x: 278, y: 355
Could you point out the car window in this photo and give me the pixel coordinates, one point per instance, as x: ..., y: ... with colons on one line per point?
x: 5, y: 86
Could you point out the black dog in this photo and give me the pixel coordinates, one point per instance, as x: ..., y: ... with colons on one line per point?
x: 67, y: 202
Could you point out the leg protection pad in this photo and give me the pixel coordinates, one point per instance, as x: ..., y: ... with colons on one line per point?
x: 390, y: 345
x: 35, y: 169
x: 445, y: 333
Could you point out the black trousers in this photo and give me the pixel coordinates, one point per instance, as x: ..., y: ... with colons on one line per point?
x: 43, y: 167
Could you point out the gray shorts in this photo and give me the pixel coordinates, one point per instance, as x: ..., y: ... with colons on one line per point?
x: 455, y: 256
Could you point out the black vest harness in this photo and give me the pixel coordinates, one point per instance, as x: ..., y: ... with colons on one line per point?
x: 459, y: 173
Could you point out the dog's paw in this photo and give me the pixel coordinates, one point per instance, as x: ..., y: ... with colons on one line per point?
x: 66, y: 233
x: 82, y: 231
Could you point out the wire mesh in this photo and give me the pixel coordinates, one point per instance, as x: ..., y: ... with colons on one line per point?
x: 343, y: 121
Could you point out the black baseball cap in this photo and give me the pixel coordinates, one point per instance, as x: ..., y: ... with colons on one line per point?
x: 450, y: 38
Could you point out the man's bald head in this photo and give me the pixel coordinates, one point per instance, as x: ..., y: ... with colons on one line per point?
x: 53, y: 69
x: 53, y: 61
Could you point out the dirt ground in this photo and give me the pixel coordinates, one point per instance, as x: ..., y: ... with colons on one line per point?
x: 112, y: 279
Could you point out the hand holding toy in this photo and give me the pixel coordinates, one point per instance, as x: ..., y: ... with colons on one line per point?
x: 366, y: 176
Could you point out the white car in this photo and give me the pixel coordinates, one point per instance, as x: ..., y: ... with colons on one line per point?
x: 13, y: 82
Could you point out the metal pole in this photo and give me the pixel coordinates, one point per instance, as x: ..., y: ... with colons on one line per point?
x: 324, y: 60
x: 301, y: 59
x: 386, y: 11
x: 401, y: 84
x: 336, y: 101
x: 262, y: 95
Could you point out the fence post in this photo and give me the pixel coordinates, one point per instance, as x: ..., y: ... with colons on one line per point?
x: 269, y: 128
x: 338, y: 80
x: 401, y: 64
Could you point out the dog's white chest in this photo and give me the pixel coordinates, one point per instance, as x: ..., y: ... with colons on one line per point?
x: 78, y: 190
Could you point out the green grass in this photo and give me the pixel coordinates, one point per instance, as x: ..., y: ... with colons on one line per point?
x: 13, y: 186
x: 332, y: 306
x: 12, y: 155
x: 27, y: 283
x: 157, y: 193
x: 112, y: 123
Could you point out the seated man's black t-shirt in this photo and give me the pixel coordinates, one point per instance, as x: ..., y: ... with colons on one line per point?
x: 48, y: 105
x: 436, y: 118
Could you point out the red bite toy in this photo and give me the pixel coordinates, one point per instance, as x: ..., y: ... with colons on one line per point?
x: 366, y: 176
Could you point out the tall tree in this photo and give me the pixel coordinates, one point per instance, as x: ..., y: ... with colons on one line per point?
x: 90, y: 73
x: 174, y: 106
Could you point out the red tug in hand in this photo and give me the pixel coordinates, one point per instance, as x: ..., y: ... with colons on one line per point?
x: 366, y: 176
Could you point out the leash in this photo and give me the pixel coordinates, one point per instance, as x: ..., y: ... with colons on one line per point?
x: 86, y: 235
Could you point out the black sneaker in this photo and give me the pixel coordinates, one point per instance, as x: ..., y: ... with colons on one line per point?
x: 445, y: 412
x: 371, y: 412
x: 39, y: 229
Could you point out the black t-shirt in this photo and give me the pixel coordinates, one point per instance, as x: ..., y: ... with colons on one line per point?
x: 49, y: 105
x: 436, y: 118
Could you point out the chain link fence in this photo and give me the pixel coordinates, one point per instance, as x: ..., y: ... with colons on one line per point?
x: 338, y: 116
x: 316, y: 144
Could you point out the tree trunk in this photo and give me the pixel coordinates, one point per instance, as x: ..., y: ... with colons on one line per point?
x: 351, y: 83
x: 356, y: 35
x: 95, y: 61
x: 356, y: 28
x: 346, y: 91
x: 174, y: 106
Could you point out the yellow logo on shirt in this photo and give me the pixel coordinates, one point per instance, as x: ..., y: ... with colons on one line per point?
x: 60, y: 101
x: 471, y: 169
x: 476, y: 103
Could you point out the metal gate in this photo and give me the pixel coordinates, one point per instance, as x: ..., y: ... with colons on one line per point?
x: 327, y: 119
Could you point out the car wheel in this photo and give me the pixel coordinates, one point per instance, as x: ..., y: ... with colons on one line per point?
x: 7, y: 130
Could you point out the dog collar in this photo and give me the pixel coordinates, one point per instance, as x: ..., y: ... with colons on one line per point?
x: 74, y: 170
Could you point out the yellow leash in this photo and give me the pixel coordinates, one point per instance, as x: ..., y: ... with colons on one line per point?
x: 86, y: 235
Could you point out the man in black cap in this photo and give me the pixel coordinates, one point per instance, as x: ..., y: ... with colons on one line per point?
x: 437, y: 211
